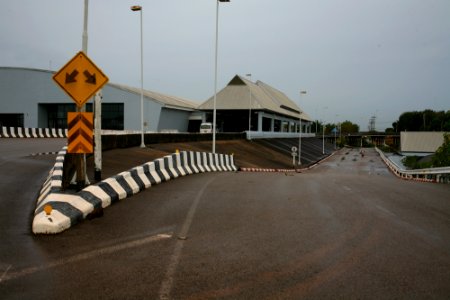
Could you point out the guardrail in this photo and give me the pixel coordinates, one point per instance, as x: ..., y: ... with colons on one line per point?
x: 441, y: 175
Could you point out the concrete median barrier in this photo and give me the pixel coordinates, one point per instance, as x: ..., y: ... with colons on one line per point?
x: 23, y: 132
x: 67, y: 210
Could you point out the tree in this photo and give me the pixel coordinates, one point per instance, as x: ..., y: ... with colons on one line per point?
x: 446, y: 121
x: 316, y: 126
x: 389, y: 130
x: 348, y: 127
x: 427, y: 120
x: 409, y: 121
x: 329, y: 127
x: 442, y: 156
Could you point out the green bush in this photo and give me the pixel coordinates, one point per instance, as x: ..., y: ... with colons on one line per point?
x: 414, y: 162
x: 442, y: 156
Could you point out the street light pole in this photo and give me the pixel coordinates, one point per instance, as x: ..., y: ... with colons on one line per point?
x: 300, y: 130
x: 323, y: 136
x: 316, y: 123
x: 215, y: 75
x: 335, y: 129
x: 139, y: 8
x: 81, y: 172
x: 249, y: 109
x: 84, y: 43
x: 323, y: 139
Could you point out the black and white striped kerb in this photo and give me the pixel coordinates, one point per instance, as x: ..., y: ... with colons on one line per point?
x: 53, y: 183
x: 44, y: 153
x: 70, y: 209
x: 272, y: 170
x: 19, y: 132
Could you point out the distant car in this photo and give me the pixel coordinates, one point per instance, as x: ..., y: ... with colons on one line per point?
x: 206, y: 128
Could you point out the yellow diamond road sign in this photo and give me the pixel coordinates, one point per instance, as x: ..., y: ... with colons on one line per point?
x: 80, y: 78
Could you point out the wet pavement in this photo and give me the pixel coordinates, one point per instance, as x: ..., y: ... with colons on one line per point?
x: 346, y: 229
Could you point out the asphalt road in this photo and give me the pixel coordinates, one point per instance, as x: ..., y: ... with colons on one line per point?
x: 21, y: 176
x: 347, y: 229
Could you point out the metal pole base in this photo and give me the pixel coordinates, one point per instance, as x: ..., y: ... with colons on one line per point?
x: 81, y: 185
x: 98, y: 175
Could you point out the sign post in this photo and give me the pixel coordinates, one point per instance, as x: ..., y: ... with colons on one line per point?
x: 80, y: 78
x: 98, y: 137
x: 294, y: 154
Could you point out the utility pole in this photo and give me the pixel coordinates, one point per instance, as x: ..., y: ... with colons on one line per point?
x: 97, y: 112
x: 300, y: 130
x: 81, y: 177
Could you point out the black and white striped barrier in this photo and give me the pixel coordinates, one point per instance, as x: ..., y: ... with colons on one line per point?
x: 67, y: 210
x: 53, y: 184
x: 265, y: 170
x: 297, y: 170
x: 19, y: 132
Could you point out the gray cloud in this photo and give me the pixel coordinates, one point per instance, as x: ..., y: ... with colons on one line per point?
x: 358, y: 58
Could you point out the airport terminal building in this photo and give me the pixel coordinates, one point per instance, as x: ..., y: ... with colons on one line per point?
x: 270, y: 110
x: 30, y: 98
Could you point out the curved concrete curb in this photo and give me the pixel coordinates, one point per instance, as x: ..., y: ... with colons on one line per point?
x: 402, y: 174
x: 286, y: 170
x: 269, y: 170
x: 71, y: 209
x: 19, y: 132
x: 53, y: 184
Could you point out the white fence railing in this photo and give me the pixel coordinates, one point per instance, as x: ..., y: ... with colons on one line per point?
x: 427, y: 175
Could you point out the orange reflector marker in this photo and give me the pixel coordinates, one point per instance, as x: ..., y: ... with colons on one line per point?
x: 48, y: 209
x: 177, y: 151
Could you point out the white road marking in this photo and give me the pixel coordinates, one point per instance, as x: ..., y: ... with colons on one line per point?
x: 385, y: 210
x: 347, y: 188
x: 4, y: 273
x: 166, y: 285
x: 86, y: 255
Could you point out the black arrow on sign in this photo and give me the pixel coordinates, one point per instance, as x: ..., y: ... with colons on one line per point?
x: 70, y: 78
x: 90, y: 78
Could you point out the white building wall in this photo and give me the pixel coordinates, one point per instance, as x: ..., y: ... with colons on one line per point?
x: 22, y: 90
x: 174, y: 120
x: 132, y: 108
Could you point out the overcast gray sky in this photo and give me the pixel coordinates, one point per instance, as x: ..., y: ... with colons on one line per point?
x: 355, y: 58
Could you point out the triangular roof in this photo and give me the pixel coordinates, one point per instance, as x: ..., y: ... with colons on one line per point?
x: 165, y: 100
x: 236, y: 96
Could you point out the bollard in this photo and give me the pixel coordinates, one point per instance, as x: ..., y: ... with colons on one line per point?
x: 48, y: 209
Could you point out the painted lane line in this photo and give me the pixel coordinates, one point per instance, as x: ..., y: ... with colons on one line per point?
x: 87, y: 255
x: 385, y: 210
x: 4, y: 273
x: 167, y: 284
